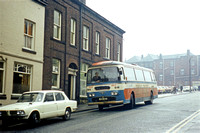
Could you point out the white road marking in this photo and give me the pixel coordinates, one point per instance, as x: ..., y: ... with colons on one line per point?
x: 181, y: 124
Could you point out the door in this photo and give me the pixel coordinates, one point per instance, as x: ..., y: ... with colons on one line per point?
x: 72, y: 83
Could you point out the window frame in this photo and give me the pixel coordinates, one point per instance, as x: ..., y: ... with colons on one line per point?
x: 84, y: 69
x: 97, y: 43
x: 73, y: 32
x: 57, y: 26
x: 56, y: 73
x: 28, y: 35
x: 118, y: 51
x: 107, y: 49
x: 22, y: 69
x: 86, y: 38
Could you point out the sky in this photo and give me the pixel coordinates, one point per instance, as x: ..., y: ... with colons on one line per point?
x: 154, y: 26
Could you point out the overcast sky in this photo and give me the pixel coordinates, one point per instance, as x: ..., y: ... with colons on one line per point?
x: 154, y: 26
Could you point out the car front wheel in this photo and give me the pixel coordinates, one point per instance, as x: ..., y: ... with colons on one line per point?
x: 34, y: 118
x: 67, y: 114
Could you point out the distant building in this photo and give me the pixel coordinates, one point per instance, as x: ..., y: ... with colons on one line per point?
x: 75, y: 37
x: 172, y: 70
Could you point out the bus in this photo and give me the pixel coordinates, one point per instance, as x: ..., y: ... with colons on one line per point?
x: 113, y: 83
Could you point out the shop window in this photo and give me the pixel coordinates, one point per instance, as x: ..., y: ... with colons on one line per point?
x: 21, y: 78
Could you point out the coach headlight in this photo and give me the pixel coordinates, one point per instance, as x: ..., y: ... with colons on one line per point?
x: 91, y: 95
x: 114, y: 93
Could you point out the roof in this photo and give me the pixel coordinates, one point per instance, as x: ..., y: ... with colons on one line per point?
x: 105, y: 63
x: 151, y: 57
x: 43, y: 91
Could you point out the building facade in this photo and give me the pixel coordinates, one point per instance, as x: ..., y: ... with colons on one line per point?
x: 21, y: 47
x: 172, y: 70
x: 75, y: 37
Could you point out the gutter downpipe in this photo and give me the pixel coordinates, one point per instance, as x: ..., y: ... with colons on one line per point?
x: 80, y: 48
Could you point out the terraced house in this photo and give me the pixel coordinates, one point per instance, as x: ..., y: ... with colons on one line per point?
x: 75, y: 37
x: 21, y: 47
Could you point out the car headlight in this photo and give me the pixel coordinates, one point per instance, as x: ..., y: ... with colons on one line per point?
x: 0, y: 113
x: 91, y: 95
x: 114, y: 93
x: 20, y: 112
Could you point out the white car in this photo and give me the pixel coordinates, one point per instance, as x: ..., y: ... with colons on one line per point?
x: 37, y: 105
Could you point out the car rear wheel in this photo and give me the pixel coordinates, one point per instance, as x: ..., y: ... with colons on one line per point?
x: 34, y: 118
x: 67, y: 114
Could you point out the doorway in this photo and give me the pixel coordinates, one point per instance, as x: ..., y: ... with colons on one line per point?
x: 72, y: 77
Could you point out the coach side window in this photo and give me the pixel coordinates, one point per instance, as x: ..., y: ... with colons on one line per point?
x: 139, y: 75
x: 130, y: 74
x: 153, y: 77
x: 147, y: 76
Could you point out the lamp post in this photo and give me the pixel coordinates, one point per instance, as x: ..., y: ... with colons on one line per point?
x: 190, y: 78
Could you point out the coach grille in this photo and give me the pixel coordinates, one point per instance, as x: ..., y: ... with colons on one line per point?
x: 102, y: 88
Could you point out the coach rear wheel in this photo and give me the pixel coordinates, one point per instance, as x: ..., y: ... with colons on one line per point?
x: 151, y: 100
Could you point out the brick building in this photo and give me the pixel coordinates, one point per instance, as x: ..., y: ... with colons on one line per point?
x: 75, y: 37
x: 172, y: 70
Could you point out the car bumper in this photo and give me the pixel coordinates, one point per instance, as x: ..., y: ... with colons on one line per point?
x: 106, y: 103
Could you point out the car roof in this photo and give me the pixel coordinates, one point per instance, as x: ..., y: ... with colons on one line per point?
x: 44, y: 91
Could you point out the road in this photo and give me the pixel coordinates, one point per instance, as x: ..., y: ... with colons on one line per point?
x: 175, y: 113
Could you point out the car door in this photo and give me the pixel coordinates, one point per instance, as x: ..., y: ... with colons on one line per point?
x: 61, y: 103
x: 49, y: 106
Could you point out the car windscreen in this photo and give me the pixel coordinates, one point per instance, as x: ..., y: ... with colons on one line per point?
x: 31, y: 97
x: 104, y: 74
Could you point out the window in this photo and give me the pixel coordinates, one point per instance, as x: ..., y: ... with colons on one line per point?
x: 139, y: 75
x: 171, y: 72
x: 193, y: 71
x: 55, y: 73
x: 85, y: 38
x: 130, y: 74
x: 21, y: 78
x: 57, y: 25
x: 59, y: 96
x: 29, y: 34
x: 84, y: 68
x: 107, y: 48
x: 118, y: 51
x: 147, y: 76
x: 73, y: 32
x: 161, y: 65
x: 49, y: 97
x: 160, y: 77
x: 97, y: 41
x: 153, y: 77
x: 1, y: 76
x: 171, y: 63
x: 182, y: 72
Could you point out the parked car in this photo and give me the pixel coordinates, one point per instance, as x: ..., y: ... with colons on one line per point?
x: 36, y: 105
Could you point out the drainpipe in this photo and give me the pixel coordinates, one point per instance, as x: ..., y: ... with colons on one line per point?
x: 80, y: 49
